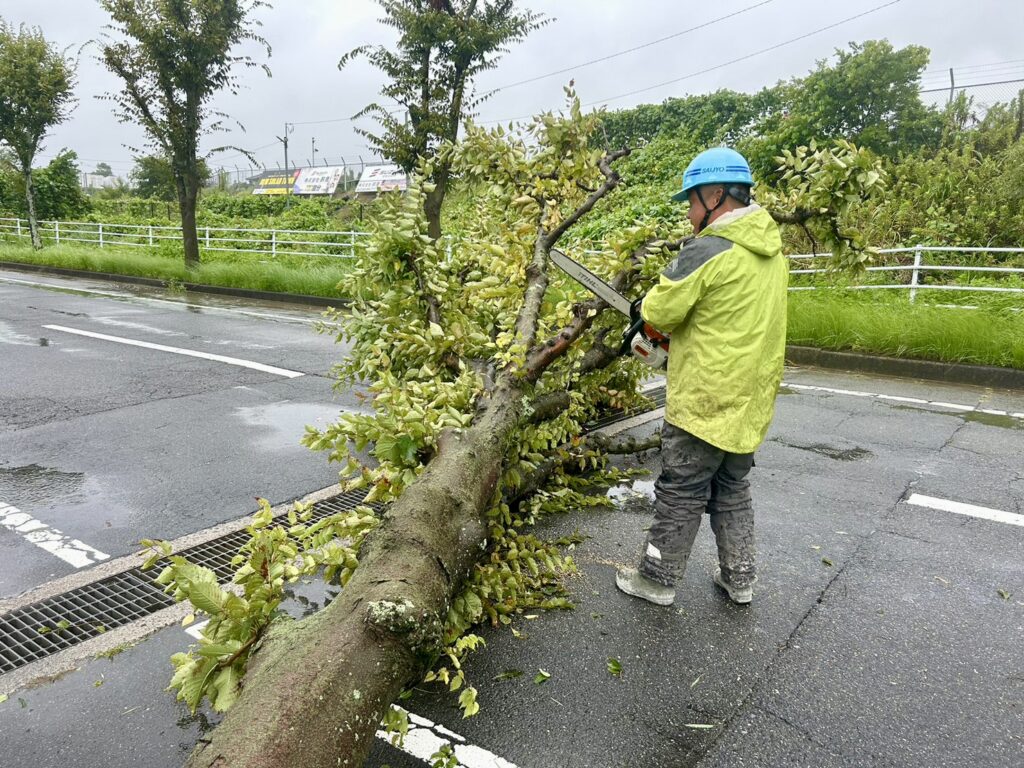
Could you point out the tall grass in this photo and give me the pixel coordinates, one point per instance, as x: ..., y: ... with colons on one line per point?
x: 891, y: 325
x: 313, y: 277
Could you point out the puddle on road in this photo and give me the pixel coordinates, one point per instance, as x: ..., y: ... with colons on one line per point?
x: 136, y: 326
x: 636, y: 496
x: 10, y: 336
x: 1003, y: 421
x: 992, y: 419
x: 286, y: 421
x: 32, y: 484
x: 830, y: 451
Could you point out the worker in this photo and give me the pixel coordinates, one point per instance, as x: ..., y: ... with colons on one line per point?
x: 723, y: 301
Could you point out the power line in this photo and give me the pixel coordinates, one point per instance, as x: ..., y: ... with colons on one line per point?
x: 631, y: 50
x: 1005, y: 72
x: 749, y: 55
x: 343, y: 119
x: 972, y: 85
x: 944, y: 72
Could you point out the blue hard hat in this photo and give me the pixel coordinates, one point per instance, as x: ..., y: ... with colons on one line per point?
x: 718, y: 165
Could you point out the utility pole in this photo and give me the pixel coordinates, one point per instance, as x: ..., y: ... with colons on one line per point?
x: 284, y: 140
x: 952, y: 85
x: 314, y: 151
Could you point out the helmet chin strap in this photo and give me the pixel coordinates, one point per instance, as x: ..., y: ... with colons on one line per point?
x: 707, y: 211
x: 735, y: 192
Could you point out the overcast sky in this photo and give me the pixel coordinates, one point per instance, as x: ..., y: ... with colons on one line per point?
x: 309, y: 36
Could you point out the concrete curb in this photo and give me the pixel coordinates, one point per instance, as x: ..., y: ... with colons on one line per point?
x: 244, y: 293
x: 952, y: 373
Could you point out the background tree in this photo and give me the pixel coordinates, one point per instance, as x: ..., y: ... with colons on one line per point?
x: 36, y: 93
x: 57, y: 188
x: 153, y: 177
x: 175, y: 55
x: 442, y: 46
x: 870, y: 96
x: 103, y: 169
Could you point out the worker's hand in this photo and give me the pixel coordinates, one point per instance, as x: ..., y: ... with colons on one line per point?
x: 634, y: 310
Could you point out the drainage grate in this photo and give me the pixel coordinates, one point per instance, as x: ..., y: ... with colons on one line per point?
x: 40, y: 629
x: 43, y: 628
x: 51, y: 625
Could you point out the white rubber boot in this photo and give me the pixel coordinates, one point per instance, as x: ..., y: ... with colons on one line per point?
x: 634, y: 583
x: 739, y: 595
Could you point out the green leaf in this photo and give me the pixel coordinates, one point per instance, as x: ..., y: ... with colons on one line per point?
x: 827, y: 562
x: 3, y: 697
x: 615, y: 667
x: 1004, y: 594
x: 541, y: 677
x: 509, y: 674
x: 206, y: 597
x: 467, y: 700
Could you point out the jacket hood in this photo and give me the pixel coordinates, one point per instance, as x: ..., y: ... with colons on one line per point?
x: 751, y: 227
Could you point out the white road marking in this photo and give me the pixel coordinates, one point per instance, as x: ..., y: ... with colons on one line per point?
x: 959, y: 508
x: 149, y: 299
x: 179, y: 351
x: 917, y: 400
x: 53, y: 541
x: 426, y: 738
x: 196, y: 629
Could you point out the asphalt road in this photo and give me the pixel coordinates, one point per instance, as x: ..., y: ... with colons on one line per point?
x: 883, y: 632
x: 108, y: 443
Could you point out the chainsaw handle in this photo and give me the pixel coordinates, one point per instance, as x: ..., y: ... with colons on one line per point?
x: 635, y: 326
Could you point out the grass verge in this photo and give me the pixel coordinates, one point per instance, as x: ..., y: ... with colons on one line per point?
x: 854, y: 321
x: 314, y: 277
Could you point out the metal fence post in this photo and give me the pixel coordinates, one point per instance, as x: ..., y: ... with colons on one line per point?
x: 101, y: 234
x: 914, y: 276
x: 207, y: 237
x: 273, y: 242
x: 151, y: 234
x: 56, y: 232
x: 18, y: 225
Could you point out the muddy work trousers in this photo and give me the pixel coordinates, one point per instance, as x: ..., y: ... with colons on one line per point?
x: 697, y: 477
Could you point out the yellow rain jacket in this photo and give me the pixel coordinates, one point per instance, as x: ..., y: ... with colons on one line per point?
x: 723, y: 300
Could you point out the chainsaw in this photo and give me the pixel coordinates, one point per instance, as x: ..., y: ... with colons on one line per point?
x: 640, y: 339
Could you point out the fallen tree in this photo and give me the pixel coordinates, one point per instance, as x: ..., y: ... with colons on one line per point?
x: 481, y: 365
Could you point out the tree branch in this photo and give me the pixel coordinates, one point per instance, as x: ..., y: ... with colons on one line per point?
x: 611, y: 180
x: 568, y: 460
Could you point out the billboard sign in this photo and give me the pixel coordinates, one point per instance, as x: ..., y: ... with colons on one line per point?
x: 383, y: 178
x: 319, y: 181
x: 275, y: 182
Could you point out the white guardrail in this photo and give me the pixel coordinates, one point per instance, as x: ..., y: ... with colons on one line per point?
x: 271, y: 242
x: 913, y: 261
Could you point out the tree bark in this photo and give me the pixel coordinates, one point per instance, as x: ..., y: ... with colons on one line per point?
x: 433, y: 201
x: 317, y: 689
x: 188, y: 193
x: 30, y: 199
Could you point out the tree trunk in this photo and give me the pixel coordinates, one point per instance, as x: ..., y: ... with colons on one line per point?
x: 432, y: 203
x: 30, y: 198
x: 188, y: 192
x: 317, y: 689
